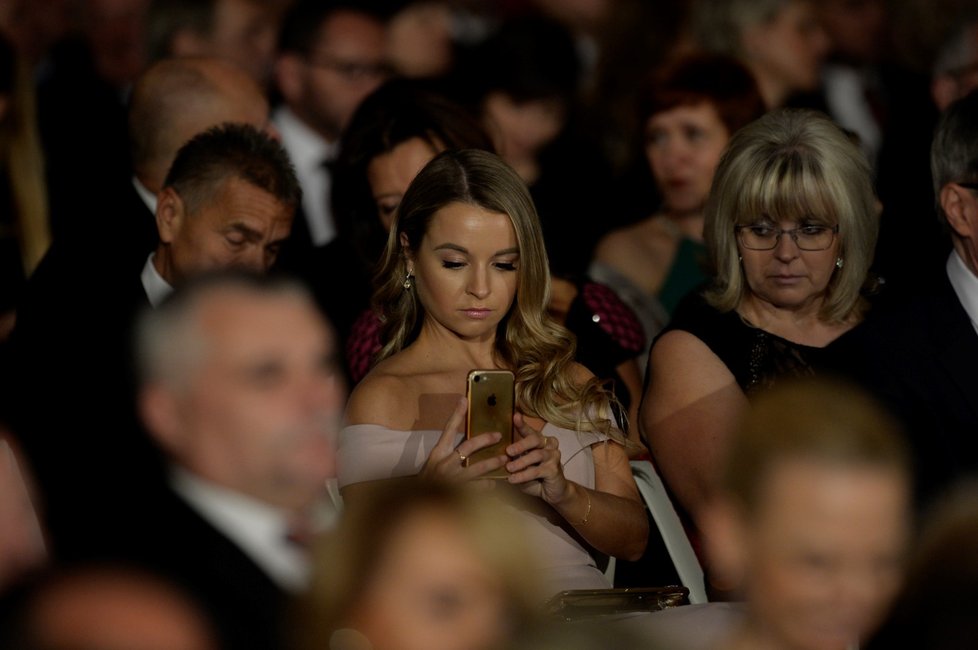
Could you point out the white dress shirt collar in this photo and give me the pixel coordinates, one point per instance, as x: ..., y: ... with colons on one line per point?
x: 258, y: 529
x: 156, y: 288
x: 308, y: 151
x: 148, y: 197
x: 965, y: 285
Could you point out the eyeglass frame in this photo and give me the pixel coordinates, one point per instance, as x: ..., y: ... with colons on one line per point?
x: 792, y: 232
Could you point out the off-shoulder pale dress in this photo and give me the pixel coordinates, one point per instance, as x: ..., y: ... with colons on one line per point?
x: 370, y: 452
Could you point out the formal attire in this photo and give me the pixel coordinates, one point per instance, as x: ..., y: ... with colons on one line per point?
x: 756, y: 358
x: 215, y: 545
x: 369, y: 452
x: 921, y: 358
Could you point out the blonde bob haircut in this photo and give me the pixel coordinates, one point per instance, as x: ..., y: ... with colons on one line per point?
x: 795, y: 166
x: 529, y: 342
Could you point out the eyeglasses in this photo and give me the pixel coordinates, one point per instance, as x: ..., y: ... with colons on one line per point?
x: 353, y: 71
x: 761, y: 237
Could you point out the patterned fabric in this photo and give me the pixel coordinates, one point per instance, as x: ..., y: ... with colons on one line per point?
x: 363, y: 345
x: 614, y: 316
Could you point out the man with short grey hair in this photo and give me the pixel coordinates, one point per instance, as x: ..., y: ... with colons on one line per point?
x: 240, y: 387
x: 921, y: 357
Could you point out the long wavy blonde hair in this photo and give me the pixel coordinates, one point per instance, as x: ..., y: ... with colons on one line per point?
x: 529, y: 342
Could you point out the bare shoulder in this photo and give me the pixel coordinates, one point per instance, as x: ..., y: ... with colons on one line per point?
x: 624, y: 240
x: 678, y: 353
x: 383, y: 397
x: 579, y: 375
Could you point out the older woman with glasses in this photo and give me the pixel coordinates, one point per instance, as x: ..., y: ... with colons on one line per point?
x: 790, y: 227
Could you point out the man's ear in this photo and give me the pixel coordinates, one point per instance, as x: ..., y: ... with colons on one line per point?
x: 958, y: 208
x: 288, y: 76
x: 159, y: 412
x: 170, y: 214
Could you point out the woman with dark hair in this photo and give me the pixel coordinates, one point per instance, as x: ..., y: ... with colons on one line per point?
x: 392, y: 135
x: 690, y: 110
x: 465, y: 285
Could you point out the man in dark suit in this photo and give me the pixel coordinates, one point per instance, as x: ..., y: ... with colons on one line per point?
x: 331, y: 56
x: 240, y: 387
x: 227, y: 202
x: 921, y: 357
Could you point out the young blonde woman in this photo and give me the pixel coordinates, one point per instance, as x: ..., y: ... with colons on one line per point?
x: 465, y: 285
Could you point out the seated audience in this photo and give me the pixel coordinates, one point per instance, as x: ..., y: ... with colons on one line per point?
x: 689, y: 111
x: 420, y: 566
x: 790, y: 227
x: 811, y: 520
x: 227, y: 202
x: 465, y: 284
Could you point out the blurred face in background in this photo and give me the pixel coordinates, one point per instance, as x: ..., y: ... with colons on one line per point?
x: 390, y: 174
x: 821, y: 554
x: 431, y: 590
x: 683, y: 146
x: 521, y: 129
x: 787, y: 51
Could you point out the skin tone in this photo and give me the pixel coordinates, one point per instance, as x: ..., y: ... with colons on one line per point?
x: 785, y: 54
x: 243, y: 33
x: 521, y: 129
x: 820, y: 554
x: 115, y: 611
x: 431, y: 591
x: 466, y: 271
x: 233, y: 97
x: 347, y: 63
x: 390, y: 174
x: 683, y: 146
x: 693, y: 401
x: 259, y: 411
x: 960, y: 206
x: 241, y: 226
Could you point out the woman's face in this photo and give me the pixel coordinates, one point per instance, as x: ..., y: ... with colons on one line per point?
x: 522, y: 129
x: 683, y: 146
x: 432, y: 591
x: 788, y: 50
x: 787, y: 277
x: 466, y: 270
x: 822, y: 553
x: 390, y: 173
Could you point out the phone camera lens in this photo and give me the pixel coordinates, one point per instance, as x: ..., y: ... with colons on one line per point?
x: 478, y: 378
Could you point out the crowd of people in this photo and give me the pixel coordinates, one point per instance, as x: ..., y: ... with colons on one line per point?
x: 251, y: 252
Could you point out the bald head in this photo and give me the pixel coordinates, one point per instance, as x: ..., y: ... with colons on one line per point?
x: 178, y: 98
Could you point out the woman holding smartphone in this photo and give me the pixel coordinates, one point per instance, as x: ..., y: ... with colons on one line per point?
x: 464, y: 284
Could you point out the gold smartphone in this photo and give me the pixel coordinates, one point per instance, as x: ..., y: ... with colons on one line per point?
x: 490, y: 397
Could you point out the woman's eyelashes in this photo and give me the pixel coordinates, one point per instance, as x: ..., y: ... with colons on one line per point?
x: 508, y: 265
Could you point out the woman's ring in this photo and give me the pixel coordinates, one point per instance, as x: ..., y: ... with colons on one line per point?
x: 462, y: 457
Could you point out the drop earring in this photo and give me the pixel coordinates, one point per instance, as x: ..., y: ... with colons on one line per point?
x: 839, y: 262
x: 407, y: 281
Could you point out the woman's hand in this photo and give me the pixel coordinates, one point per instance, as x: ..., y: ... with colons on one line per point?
x: 446, y: 462
x: 535, y: 463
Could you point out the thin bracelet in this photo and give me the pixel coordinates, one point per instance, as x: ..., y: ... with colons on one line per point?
x: 587, y: 513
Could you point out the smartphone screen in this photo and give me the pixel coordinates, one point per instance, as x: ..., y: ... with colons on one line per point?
x: 490, y: 397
